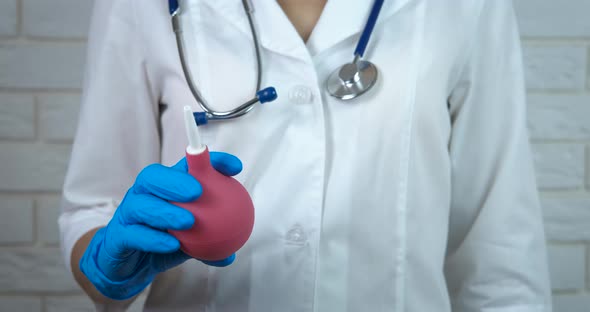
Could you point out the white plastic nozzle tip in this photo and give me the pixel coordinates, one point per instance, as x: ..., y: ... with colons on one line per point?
x: 192, y: 132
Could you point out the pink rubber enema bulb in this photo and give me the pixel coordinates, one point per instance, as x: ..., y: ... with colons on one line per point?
x: 224, y: 213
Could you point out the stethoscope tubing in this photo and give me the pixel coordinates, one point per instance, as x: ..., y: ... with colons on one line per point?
x: 368, y: 30
x: 341, y: 84
x: 210, y: 113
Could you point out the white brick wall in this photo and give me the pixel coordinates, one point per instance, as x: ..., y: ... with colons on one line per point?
x: 58, y: 116
x: 8, y: 18
x: 559, y: 116
x: 555, y: 67
x: 16, y: 216
x: 557, y: 39
x: 41, y: 65
x: 42, y: 46
x: 47, y: 214
x: 560, y: 166
x: 561, y: 260
x: 17, y: 117
x: 42, y: 49
x: 56, y: 18
x: 20, y: 303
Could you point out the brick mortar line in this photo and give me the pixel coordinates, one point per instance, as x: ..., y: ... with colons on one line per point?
x: 36, y: 118
x: 587, y: 268
x: 580, y: 190
x: 82, y: 294
x: 27, y: 41
x: 69, y: 93
x: 19, y: 17
x: 549, y: 92
x: 35, y: 222
x: 40, y: 39
x: 568, y: 291
x: 18, y: 90
x: 554, y: 40
x: 40, y: 293
x: 17, y: 140
x: 18, y: 296
x: 43, y: 303
x: 8, y: 37
x: 40, y: 91
x: 15, y: 248
x: 560, y: 91
x: 29, y: 245
x: 566, y: 243
x: 559, y: 141
x: 58, y: 141
x: 35, y: 245
x: 40, y: 143
x: 31, y: 39
x: 563, y: 193
x: 29, y: 194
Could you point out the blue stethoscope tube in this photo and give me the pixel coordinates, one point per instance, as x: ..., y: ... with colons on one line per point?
x: 347, y: 82
x: 172, y: 6
x: 361, y: 46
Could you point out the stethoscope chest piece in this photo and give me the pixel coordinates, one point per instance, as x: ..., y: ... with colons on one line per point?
x: 352, y: 80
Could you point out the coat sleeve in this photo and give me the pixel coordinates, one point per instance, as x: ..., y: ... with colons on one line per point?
x: 117, y: 133
x: 496, y: 258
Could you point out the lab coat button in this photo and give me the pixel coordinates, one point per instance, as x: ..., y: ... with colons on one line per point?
x: 296, y: 235
x: 300, y: 95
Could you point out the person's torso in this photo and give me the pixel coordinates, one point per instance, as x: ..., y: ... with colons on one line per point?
x: 352, y: 197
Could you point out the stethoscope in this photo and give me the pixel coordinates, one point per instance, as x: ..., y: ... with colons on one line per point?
x: 345, y: 83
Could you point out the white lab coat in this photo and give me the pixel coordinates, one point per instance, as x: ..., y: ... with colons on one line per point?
x: 417, y: 196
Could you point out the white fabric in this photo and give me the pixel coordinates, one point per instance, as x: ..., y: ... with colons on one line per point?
x: 418, y: 196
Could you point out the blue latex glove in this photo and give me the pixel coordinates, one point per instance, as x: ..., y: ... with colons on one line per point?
x: 125, y: 256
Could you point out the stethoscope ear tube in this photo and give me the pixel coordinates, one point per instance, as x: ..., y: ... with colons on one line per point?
x: 173, y: 7
x: 345, y: 83
x: 366, y: 35
x: 262, y: 96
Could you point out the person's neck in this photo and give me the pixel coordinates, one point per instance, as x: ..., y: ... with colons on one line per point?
x: 303, y: 14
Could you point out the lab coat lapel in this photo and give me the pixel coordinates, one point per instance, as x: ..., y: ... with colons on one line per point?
x: 342, y: 19
x: 275, y: 31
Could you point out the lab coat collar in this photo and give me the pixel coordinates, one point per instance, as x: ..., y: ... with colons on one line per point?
x: 340, y: 20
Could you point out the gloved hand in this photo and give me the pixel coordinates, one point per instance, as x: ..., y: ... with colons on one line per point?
x: 125, y: 256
